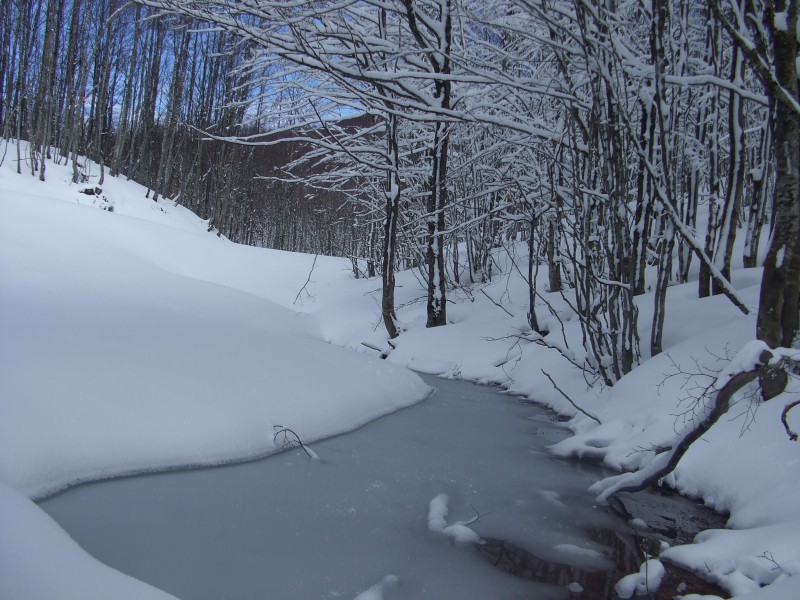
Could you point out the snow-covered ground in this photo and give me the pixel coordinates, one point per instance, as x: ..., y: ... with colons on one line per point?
x: 136, y: 340
x: 119, y: 355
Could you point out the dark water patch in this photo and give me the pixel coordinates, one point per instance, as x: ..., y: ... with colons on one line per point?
x: 643, y: 523
x: 674, y: 518
x: 517, y: 561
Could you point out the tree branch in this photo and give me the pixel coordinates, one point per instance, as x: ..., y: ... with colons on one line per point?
x: 293, y: 441
x: 313, y: 264
x: 720, y: 394
x: 570, y: 400
x: 789, y: 431
x: 497, y: 304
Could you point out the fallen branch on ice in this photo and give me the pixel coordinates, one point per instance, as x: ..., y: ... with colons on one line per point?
x: 458, y: 531
x: 292, y: 440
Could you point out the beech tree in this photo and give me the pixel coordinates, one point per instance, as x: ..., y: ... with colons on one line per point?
x: 780, y: 287
x: 623, y: 146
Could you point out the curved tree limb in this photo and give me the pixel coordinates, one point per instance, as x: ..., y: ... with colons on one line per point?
x: 570, y: 400
x: 308, y: 279
x: 717, y: 403
x: 789, y: 431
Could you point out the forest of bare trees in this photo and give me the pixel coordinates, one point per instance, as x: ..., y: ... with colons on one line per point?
x: 626, y: 145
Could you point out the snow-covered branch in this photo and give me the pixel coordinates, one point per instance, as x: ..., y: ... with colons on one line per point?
x: 755, y: 361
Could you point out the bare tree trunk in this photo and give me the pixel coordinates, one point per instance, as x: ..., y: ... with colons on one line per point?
x: 69, y: 95
x: 533, y: 271
x: 127, y: 97
x: 437, y: 53
x: 736, y: 163
x: 434, y: 253
x: 42, y: 105
x: 393, y: 194
x: 76, y: 132
x: 756, y: 214
x: 712, y: 44
x: 777, y: 323
x: 644, y: 201
x: 7, y: 58
x: 150, y: 84
x: 659, y: 32
x: 167, y: 158
x: 27, y: 25
x: 554, y: 282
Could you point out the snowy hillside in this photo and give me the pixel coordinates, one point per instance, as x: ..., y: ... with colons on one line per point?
x: 136, y: 340
x: 120, y: 355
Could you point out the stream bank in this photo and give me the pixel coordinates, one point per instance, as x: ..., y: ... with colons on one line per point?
x: 291, y: 527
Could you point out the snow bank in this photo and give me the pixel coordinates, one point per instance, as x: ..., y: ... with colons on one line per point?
x: 645, y: 582
x: 134, y: 340
x: 39, y: 560
x: 111, y: 365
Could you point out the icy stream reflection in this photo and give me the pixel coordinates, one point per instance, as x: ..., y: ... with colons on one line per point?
x: 292, y: 528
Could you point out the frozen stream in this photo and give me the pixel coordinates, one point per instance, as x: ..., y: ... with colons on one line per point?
x: 292, y: 528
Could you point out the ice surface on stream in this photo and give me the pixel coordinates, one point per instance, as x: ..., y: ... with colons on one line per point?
x: 293, y: 528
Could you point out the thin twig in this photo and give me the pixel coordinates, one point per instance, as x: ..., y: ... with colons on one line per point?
x: 287, y: 443
x: 478, y: 516
x: 500, y: 306
x: 313, y: 264
x: 570, y: 400
x: 768, y: 556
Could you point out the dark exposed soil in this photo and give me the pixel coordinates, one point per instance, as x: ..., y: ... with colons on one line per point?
x: 670, y: 518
